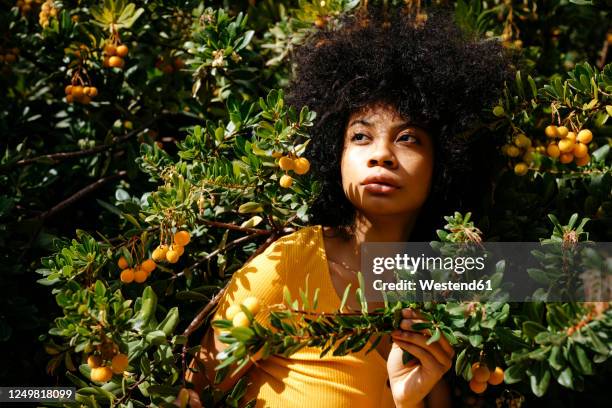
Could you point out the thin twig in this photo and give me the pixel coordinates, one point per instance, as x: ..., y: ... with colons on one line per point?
x: 237, y: 227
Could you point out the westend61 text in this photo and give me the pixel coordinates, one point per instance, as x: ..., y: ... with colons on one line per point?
x: 431, y: 285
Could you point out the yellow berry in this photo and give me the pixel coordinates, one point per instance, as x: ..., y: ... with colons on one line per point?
x: 286, y: 181
x: 522, y: 141
x: 286, y: 163
x: 551, y: 131
x: 115, y: 62
x: 101, y: 374
x: 119, y: 363
x: 178, y: 249
x: 553, y: 150
x: 566, y: 158
x: 232, y: 311
x: 241, y: 320
x: 562, y: 131
x: 520, y: 169
x: 93, y: 91
x: 122, y: 50
x: 582, y: 161
x: 528, y: 156
x: 77, y: 91
x: 122, y: 262
x: 94, y: 361
x: 127, y: 275
x: 148, y: 266
x: 580, y: 150
x: 110, y: 50
x: 571, y: 136
x: 172, y: 256
x: 566, y: 145
x: 585, y: 136
x: 140, y: 275
x: 159, y: 253
x: 182, y: 238
x: 301, y: 165
x: 251, y: 303
x: 512, y: 151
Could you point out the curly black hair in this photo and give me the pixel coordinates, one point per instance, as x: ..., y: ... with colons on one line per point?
x: 433, y: 73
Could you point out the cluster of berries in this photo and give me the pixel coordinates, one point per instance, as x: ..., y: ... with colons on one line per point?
x: 81, y: 94
x: 101, y: 372
x: 238, y: 317
x: 570, y: 147
x: 114, y: 55
x: 25, y: 6
x: 9, y: 55
x: 47, y: 10
x: 168, y: 67
x: 521, y: 147
x: 482, y: 376
x: 299, y: 165
x: 173, y: 252
x: 137, y: 274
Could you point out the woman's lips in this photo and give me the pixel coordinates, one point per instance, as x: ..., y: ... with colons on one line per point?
x: 379, y: 188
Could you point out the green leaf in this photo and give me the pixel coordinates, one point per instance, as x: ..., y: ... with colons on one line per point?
x: 514, y: 373
x: 435, y: 337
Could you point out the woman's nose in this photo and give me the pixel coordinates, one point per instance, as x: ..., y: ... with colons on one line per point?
x: 382, y: 155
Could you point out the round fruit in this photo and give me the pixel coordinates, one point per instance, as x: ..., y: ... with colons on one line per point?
x: 232, y: 311
x: 528, y: 156
x: 571, y: 136
x: 69, y: 98
x: 110, y: 50
x: 159, y: 253
x: 566, y: 158
x: 497, y: 376
x: 94, y: 361
x: 553, y: 150
x: 562, y: 131
x: 93, y: 91
x: 148, y: 266
x: 122, y: 50
x: 127, y: 275
x: 182, y: 238
x: 241, y: 320
x: 77, y: 91
x: 498, y: 111
x: 551, y: 131
x: 179, y: 249
x: 286, y: 163
x: 566, y: 145
x: 172, y: 256
x: 119, y: 363
x: 319, y: 22
x: 301, y: 165
x: 522, y: 141
x: 585, y: 136
x: 480, y: 372
x: 68, y: 89
x: 582, y: 161
x: 286, y: 181
x: 101, y: 374
x: 140, y: 275
x: 512, y: 151
x: 251, y: 303
x: 115, y: 62
x: 520, y: 169
x: 122, y: 262
x: 580, y: 150
x: 477, y: 386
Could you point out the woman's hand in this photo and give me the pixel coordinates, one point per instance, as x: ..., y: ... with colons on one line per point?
x: 410, y: 383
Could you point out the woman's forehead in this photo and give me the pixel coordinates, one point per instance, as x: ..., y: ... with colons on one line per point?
x: 372, y: 113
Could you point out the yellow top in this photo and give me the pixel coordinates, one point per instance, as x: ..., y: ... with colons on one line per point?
x: 304, y: 379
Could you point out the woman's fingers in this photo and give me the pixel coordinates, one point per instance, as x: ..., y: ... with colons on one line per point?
x: 435, y: 349
x: 426, y: 359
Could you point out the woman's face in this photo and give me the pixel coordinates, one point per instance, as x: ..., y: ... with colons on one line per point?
x: 379, y: 143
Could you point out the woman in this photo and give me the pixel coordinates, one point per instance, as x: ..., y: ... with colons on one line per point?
x: 391, y: 98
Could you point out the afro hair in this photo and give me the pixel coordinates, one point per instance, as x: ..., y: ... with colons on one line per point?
x: 432, y: 72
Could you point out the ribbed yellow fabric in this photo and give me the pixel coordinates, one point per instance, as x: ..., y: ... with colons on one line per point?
x: 304, y: 379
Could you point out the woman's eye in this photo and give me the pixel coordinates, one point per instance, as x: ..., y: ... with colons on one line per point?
x: 409, y: 137
x: 359, y: 137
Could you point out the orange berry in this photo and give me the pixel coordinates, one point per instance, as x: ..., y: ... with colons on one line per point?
x: 497, y: 376
x: 115, y: 62
x: 566, y: 158
x: 582, y: 161
x: 122, y: 50
x: 562, y: 132
x: 520, y: 169
x: 106, y: 62
x: 159, y: 253
x: 553, y: 150
x: 119, y: 363
x: 480, y: 372
x: 172, y: 256
x: 585, y: 136
x: 286, y: 181
x: 110, y: 50
x: 522, y: 141
x: 101, y: 374
x: 127, y: 275
x: 140, y: 275
x: 94, y: 361
x: 148, y: 266
x: 182, y: 238
x: 512, y: 151
x: 77, y: 91
x: 566, y: 145
x: 285, y: 163
x: 122, y: 262
x: 551, y: 131
x: 477, y: 386
x: 301, y: 165
x: 580, y: 150
x: 68, y: 89
x: 69, y: 98
x: 85, y: 99
x: 178, y: 249
x: 571, y: 136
